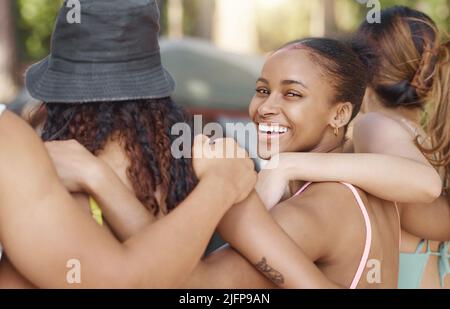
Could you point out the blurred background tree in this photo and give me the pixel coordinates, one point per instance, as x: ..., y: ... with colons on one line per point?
x: 277, y: 21
x: 8, y: 49
x: 246, y: 27
x: 34, y: 25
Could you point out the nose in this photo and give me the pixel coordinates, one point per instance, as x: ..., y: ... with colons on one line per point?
x: 269, y: 107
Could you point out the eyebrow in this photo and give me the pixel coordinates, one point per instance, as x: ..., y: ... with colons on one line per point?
x: 284, y: 82
x: 263, y: 80
x: 290, y: 82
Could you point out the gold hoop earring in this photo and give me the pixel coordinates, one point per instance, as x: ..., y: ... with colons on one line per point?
x: 336, y: 131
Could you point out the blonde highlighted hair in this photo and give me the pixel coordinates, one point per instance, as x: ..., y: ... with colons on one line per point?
x: 438, y: 124
x: 410, y: 67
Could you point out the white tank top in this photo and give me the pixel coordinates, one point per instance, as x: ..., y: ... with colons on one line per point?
x: 2, y: 108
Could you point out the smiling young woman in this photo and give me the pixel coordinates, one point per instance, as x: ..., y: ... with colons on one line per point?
x: 395, y: 159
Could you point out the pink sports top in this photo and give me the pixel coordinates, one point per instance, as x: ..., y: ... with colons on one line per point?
x: 365, y: 255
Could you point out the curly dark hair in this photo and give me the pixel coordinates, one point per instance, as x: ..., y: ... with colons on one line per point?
x: 144, y: 129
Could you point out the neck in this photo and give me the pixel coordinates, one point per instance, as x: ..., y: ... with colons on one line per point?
x: 331, y: 143
x: 411, y: 114
x: 332, y: 147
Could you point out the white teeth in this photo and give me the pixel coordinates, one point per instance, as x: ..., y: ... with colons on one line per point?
x: 272, y: 128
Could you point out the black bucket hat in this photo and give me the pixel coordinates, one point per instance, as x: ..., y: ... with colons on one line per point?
x: 111, y: 55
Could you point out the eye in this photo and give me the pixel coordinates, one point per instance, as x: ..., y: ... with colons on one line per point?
x: 294, y: 94
x: 262, y: 91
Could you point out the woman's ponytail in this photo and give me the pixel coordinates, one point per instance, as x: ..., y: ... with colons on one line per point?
x: 438, y: 124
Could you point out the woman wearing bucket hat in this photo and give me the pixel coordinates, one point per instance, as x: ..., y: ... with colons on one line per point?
x: 104, y: 86
x: 104, y: 80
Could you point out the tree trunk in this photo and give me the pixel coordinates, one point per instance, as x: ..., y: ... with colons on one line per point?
x: 235, y: 27
x: 330, y: 18
x: 204, y: 18
x: 322, y: 18
x: 7, y: 52
x: 175, y: 17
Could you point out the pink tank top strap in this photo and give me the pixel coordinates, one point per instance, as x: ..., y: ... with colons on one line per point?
x: 368, y: 242
x: 365, y: 256
x: 302, y: 189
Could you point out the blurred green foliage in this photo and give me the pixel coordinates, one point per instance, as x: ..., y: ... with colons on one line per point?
x: 438, y: 10
x: 290, y: 19
x: 279, y: 23
x: 35, y: 19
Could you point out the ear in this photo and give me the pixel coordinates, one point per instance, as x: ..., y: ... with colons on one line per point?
x: 342, y: 114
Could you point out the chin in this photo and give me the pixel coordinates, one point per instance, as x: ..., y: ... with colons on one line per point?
x: 270, y: 145
x: 264, y: 153
x: 264, y: 156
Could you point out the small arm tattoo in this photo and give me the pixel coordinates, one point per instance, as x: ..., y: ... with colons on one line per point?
x: 271, y: 273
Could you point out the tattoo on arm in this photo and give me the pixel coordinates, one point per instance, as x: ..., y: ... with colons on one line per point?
x: 271, y: 273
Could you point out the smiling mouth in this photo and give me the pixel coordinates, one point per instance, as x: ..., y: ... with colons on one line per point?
x: 268, y: 131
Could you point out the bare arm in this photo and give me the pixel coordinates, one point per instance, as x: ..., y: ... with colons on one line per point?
x: 251, y: 230
x: 223, y: 269
x: 38, y: 215
x: 226, y: 269
x: 427, y: 221
x: 124, y: 213
x: 380, y: 135
x: 81, y: 171
x: 388, y: 165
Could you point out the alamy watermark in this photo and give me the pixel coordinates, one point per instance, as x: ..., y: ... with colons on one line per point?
x: 244, y: 133
x: 374, y: 274
x: 73, y: 275
x: 374, y: 14
x: 73, y: 16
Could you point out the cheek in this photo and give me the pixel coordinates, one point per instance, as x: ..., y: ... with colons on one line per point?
x: 309, y: 123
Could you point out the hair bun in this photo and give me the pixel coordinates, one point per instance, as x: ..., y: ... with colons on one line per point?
x: 400, y: 94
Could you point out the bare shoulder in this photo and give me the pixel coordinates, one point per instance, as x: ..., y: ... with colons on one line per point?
x: 372, y: 125
x: 321, y: 213
x: 16, y: 134
x: 376, y: 133
x: 325, y: 199
x: 23, y: 158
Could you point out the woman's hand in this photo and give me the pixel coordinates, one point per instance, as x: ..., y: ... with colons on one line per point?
x: 272, y: 182
x: 75, y: 165
x: 227, y: 162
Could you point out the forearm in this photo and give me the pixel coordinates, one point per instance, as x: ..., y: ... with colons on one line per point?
x: 251, y: 230
x: 226, y: 269
x: 162, y: 255
x: 124, y: 213
x: 385, y: 176
x: 427, y: 221
x: 189, y: 240
x: 183, y: 234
